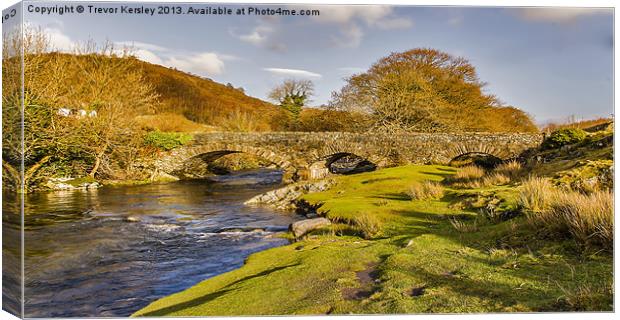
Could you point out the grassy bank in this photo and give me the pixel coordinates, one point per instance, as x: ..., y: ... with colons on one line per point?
x: 428, y: 256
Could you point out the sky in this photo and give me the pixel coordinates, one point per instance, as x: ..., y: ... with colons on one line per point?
x: 550, y: 62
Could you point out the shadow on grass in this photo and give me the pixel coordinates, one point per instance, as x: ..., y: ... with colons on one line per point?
x: 443, y: 175
x: 393, y: 196
x: 497, y: 295
x: 379, y: 180
x: 211, y: 296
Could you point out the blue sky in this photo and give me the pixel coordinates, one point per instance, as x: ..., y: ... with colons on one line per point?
x: 549, y: 62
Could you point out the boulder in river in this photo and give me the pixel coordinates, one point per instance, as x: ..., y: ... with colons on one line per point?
x: 131, y: 219
x: 302, y: 227
x: 285, y: 197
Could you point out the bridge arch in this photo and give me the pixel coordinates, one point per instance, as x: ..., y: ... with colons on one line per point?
x: 182, y: 159
x: 479, y: 159
x: 332, y: 151
x: 322, y: 160
x: 496, y: 154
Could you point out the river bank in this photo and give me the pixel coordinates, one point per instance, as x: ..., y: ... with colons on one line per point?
x: 420, y: 261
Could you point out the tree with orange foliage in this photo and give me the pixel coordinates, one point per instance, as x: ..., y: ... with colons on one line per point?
x: 426, y: 90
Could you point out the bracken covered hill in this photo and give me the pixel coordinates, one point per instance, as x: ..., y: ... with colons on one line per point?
x: 198, y: 99
x: 206, y: 101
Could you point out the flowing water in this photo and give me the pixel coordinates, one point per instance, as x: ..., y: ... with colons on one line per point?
x: 110, y: 252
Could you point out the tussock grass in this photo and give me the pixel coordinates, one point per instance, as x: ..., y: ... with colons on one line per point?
x: 368, y: 225
x: 425, y: 190
x: 588, y: 218
x: 587, y: 296
x: 494, y: 179
x: 535, y: 194
x: 464, y: 227
x: 469, y: 173
x: 476, y: 177
x: 510, y: 169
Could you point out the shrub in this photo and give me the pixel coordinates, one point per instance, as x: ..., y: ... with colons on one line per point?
x: 166, y: 140
x: 588, y: 176
x: 511, y: 168
x: 425, y: 190
x: 564, y: 137
x: 588, y: 218
x: 535, y: 194
x: 368, y: 225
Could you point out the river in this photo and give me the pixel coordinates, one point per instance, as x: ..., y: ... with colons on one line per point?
x: 111, y: 251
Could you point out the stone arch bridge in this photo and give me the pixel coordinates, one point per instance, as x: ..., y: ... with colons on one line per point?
x: 307, y: 155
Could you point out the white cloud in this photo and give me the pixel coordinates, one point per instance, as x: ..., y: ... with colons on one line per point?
x: 350, y: 19
x: 148, y: 56
x: 346, y: 14
x: 559, y: 15
x: 202, y: 63
x: 254, y: 38
x: 395, y: 23
x: 258, y: 35
x: 229, y: 57
x: 351, y: 36
x: 293, y: 72
x: 58, y: 40
x: 262, y: 35
x: 456, y: 21
x: 141, y: 45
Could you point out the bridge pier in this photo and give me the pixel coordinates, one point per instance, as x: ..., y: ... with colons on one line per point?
x: 318, y: 173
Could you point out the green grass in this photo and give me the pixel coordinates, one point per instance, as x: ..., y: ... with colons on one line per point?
x: 502, y: 267
x: 79, y: 181
x: 166, y: 140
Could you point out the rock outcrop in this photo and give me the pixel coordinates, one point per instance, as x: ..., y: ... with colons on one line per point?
x: 71, y: 184
x: 302, y: 227
x: 286, y: 197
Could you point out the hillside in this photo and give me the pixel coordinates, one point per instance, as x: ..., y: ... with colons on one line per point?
x: 198, y: 99
x: 205, y: 101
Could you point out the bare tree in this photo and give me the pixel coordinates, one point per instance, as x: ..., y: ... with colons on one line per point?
x: 34, y: 107
x: 109, y: 87
x: 78, y: 106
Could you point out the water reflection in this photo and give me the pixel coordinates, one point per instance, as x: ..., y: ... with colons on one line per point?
x: 11, y: 253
